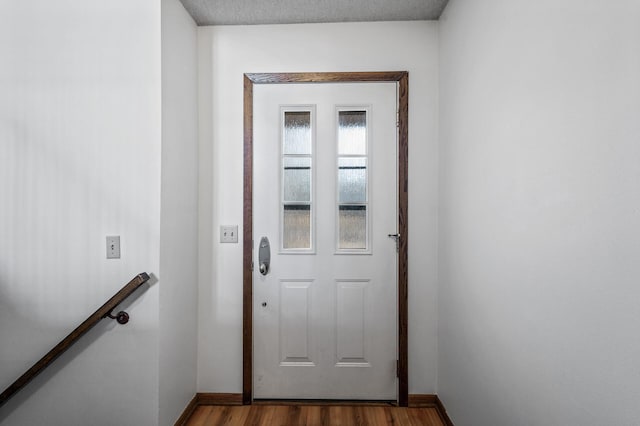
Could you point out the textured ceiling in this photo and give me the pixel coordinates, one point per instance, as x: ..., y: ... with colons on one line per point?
x: 254, y: 12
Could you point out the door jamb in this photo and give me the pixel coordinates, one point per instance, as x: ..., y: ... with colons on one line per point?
x: 402, y: 80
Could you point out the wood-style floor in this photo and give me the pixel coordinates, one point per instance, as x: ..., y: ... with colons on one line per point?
x: 299, y: 415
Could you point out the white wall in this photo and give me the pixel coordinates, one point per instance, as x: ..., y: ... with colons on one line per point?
x: 540, y: 212
x: 79, y: 160
x: 179, y: 216
x: 228, y: 52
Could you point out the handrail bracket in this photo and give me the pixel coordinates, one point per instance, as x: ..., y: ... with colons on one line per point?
x: 122, y: 317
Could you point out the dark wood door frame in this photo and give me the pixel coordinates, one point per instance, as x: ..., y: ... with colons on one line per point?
x: 402, y: 80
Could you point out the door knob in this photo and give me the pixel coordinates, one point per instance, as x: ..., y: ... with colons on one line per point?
x: 264, y: 256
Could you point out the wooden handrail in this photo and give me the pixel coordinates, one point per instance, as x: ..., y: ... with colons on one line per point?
x: 74, y: 336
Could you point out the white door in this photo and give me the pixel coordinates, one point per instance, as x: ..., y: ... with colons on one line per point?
x: 325, y: 323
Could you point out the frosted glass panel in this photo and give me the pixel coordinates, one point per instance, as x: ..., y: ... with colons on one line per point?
x: 297, y: 179
x: 352, y: 180
x: 352, y: 221
x: 352, y: 133
x: 296, y: 223
x: 297, y: 133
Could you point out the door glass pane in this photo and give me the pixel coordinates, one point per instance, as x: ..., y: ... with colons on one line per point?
x: 297, y: 179
x: 296, y: 227
x: 352, y: 222
x: 352, y: 132
x: 352, y: 180
x: 297, y: 133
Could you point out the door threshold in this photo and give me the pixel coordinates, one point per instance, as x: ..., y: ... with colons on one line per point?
x: 334, y: 402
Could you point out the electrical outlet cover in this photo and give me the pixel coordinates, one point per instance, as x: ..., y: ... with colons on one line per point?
x: 113, y: 247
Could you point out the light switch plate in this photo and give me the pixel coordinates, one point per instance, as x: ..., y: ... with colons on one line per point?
x: 229, y: 233
x: 113, y: 247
